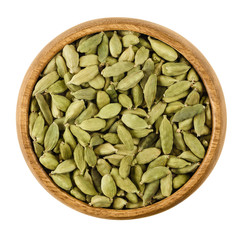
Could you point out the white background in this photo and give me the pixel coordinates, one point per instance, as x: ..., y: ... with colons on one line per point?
x: 27, y: 211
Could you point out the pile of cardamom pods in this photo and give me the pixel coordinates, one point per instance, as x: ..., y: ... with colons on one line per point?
x: 119, y: 120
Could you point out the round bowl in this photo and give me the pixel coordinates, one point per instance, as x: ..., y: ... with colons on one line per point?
x: 183, y: 46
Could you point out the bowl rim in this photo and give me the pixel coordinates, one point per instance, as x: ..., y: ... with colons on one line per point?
x: 187, y: 49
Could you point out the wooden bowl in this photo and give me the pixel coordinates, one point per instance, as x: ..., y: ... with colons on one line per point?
x: 183, y: 46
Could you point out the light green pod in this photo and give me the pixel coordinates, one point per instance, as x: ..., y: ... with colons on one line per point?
x: 156, y: 111
x: 111, y: 138
x: 71, y: 87
x: 173, y: 107
x: 188, y: 112
x: 150, y: 191
x: 141, y: 56
x: 122, y: 150
x: 156, y: 58
x: 194, y: 144
x: 71, y: 57
x: 110, y: 61
x: 163, y: 50
x: 108, y: 186
x: 65, y: 151
x: 127, y: 55
x: 136, y: 176
x: 84, y: 184
x: 147, y: 155
x: 90, y: 157
x: 88, y: 60
x: 192, y: 75
x: 68, y: 138
x: 44, y: 107
x: 65, y: 167
x: 130, y: 205
x: 199, y: 123
x: 177, y: 88
x: 61, y: 102
x: 198, y: 86
x: 115, y: 45
x: 51, y: 137
x: 137, y: 95
x: 118, y: 78
x: 102, y: 99
x: 174, y: 69
x: 193, y: 98
x: 62, y: 180
x: 103, y: 49
x: 125, y: 166
x: 34, y: 105
x: 103, y: 167
x: 187, y: 169
x: 105, y: 149
x: 38, y: 149
x: 140, y: 133
x: 175, y: 98
x: 160, y: 161
x: 166, y: 135
x: 51, y: 66
x: 96, y: 139
x: 180, y: 180
x: 85, y: 75
x: 166, y: 184
x: 186, y: 125
x: 100, y: 201
x: 74, y: 110
x: 166, y: 81
x: 110, y: 122
x: 143, y: 42
x: 92, y: 124
x: 128, y: 32
x: 114, y: 159
x: 78, y: 156
x: 158, y: 195
x: 155, y: 173
x: 113, y: 128
x: 109, y: 111
x: 78, y: 194
x: 82, y: 136
x: 57, y: 87
x: 36, y: 125
x: 125, y: 184
x: 45, y: 82
x: 132, y: 197
x: 125, y: 137
x: 90, y: 43
x: 49, y: 161
x: 89, y: 112
x: 119, y: 203
x: 130, y: 81
x: 125, y: 101
x: 86, y: 94
x: 56, y: 113
x: 130, y: 39
x: 61, y: 66
x: 97, y: 82
x: 189, y: 156
x: 150, y: 90
x: 134, y: 122
x: 176, y: 162
x: 137, y: 111
x: 178, y: 138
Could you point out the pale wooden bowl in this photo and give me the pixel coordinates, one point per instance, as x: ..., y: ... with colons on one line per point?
x: 183, y: 46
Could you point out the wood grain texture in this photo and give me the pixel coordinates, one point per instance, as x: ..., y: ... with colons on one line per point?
x: 183, y: 46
